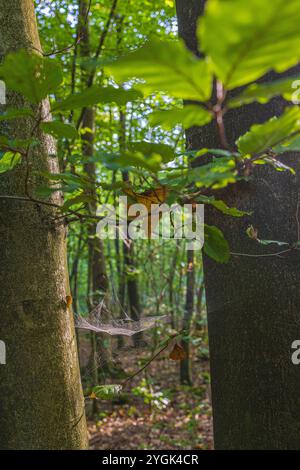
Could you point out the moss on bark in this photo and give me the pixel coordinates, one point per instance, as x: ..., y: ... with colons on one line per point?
x: 41, y: 400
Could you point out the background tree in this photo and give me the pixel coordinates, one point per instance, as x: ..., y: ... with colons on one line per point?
x: 185, y: 364
x: 253, y: 300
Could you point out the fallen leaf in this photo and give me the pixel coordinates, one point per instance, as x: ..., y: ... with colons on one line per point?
x: 178, y: 353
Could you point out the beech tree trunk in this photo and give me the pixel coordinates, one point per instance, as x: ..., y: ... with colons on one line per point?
x: 253, y: 302
x: 41, y: 399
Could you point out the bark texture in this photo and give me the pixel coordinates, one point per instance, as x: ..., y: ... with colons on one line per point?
x: 252, y: 302
x: 185, y: 364
x: 128, y: 252
x: 97, y: 278
x: 41, y: 400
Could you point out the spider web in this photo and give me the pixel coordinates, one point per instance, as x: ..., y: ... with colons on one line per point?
x: 122, y: 327
x: 120, y: 339
x: 97, y: 319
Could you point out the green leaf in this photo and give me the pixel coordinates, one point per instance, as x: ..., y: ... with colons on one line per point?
x: 8, y: 161
x: 245, y: 39
x: 96, y: 94
x: 71, y: 182
x: 217, y: 174
x: 107, y: 392
x: 114, y: 186
x: 290, y: 145
x: 59, y: 129
x: 17, y: 145
x: 44, y: 192
x: 262, y: 137
x: 33, y: 76
x: 271, y: 242
x: 129, y: 160
x: 233, y: 211
x: 79, y: 199
x: 168, y: 67
x: 149, y: 149
x: 217, y: 152
x: 222, y: 207
x: 277, y: 164
x: 190, y: 115
x: 253, y: 232
x: 264, y: 92
x: 215, y: 244
x: 15, y: 113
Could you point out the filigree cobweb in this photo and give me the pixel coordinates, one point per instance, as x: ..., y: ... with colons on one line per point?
x: 119, y: 338
x: 121, y: 326
x: 110, y: 317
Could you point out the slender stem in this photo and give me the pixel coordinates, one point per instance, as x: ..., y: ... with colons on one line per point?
x: 151, y: 359
x: 263, y: 255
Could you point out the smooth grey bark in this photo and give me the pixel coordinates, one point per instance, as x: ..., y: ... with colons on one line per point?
x: 41, y: 399
x: 253, y: 302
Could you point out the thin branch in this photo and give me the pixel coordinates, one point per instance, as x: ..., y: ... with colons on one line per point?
x: 151, y: 359
x: 32, y: 200
x: 263, y: 255
x: 71, y: 46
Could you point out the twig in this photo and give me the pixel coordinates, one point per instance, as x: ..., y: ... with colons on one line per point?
x: 55, y: 206
x: 263, y: 255
x: 66, y: 48
x: 32, y: 200
x: 151, y: 359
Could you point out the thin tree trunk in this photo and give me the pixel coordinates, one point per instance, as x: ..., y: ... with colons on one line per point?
x: 200, y: 294
x: 172, y: 275
x: 253, y: 302
x: 128, y: 252
x: 97, y: 279
x: 41, y: 400
x: 75, y: 272
x: 185, y: 364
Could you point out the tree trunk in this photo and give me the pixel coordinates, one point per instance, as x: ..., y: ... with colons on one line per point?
x: 132, y: 289
x: 41, y: 400
x: 172, y: 275
x: 199, y: 304
x: 97, y: 279
x: 75, y: 270
x: 185, y: 364
x: 253, y: 302
x: 128, y: 252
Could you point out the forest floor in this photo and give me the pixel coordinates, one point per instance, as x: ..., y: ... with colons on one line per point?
x: 177, y: 417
